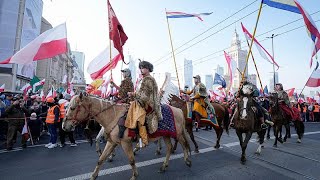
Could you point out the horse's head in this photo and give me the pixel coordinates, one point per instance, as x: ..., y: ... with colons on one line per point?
x: 245, y: 107
x: 247, y: 89
x: 78, y: 111
x: 273, y: 99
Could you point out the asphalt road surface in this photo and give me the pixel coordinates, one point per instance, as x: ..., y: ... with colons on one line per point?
x: 289, y: 161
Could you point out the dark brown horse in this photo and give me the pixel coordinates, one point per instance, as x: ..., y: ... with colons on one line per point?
x: 222, y: 115
x: 245, y: 121
x: 279, y: 118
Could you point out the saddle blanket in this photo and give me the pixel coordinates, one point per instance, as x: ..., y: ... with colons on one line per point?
x: 210, y: 120
x: 166, y: 126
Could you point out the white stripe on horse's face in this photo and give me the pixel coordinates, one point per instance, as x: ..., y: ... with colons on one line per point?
x: 244, y: 111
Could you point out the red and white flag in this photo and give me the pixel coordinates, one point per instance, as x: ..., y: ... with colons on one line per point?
x: 229, y: 59
x: 290, y: 92
x: 102, y: 64
x: 263, y: 52
x: 2, y: 87
x: 49, y: 44
x: 314, y: 80
x: 26, y: 88
x: 52, y: 93
x: 116, y: 32
x: 25, y: 132
x: 43, y: 98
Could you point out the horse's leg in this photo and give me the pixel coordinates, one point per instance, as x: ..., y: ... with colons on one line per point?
x: 189, y: 129
x: 174, y: 146
x: 219, y: 132
x: 100, y: 134
x: 244, y: 147
x: 287, y: 127
x: 106, y: 152
x: 239, y: 134
x: 113, y: 154
x: 185, y: 146
x: 159, y: 147
x: 168, y: 153
x: 268, y: 133
x: 127, y: 148
x: 261, y: 140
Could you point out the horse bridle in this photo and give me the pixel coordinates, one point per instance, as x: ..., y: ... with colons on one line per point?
x: 89, y: 116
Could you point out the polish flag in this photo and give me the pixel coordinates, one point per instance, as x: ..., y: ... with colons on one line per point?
x: 49, y: 44
x: 2, y: 87
x: 102, y: 63
x: 25, y: 132
x: 43, y: 98
x: 52, y: 93
x: 314, y: 80
x: 263, y: 52
x: 26, y: 88
x: 290, y: 92
x: 229, y: 60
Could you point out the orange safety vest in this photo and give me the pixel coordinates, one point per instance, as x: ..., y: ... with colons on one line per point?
x: 316, y: 108
x: 62, y: 111
x: 304, y: 109
x: 50, y: 115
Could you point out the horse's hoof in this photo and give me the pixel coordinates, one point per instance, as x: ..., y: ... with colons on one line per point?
x: 217, y: 146
x: 299, y: 141
x: 243, y: 160
x: 196, y: 151
x: 268, y: 137
x: 275, y: 146
x: 110, y: 159
x: 284, y: 140
x: 172, y: 151
x: 197, y: 129
x: 162, y: 169
x: 158, y: 153
x: 280, y: 140
x: 188, y: 163
x: 133, y: 178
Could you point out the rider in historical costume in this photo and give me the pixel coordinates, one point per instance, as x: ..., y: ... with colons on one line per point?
x: 260, y: 110
x: 283, y: 100
x: 125, y: 87
x: 146, y: 107
x: 200, y: 99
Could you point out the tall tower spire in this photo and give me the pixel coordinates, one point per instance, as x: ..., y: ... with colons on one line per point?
x: 235, y: 43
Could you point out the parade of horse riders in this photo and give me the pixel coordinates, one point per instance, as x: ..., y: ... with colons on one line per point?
x: 93, y: 89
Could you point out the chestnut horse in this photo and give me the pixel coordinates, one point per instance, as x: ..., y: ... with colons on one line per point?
x: 107, y: 114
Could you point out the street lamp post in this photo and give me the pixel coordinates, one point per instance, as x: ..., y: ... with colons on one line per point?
x: 274, y: 72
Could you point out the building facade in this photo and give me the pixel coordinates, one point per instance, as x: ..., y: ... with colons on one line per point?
x: 219, y: 70
x: 209, y: 82
x: 188, y: 73
x: 253, y: 79
x: 239, y: 56
x: 276, y: 79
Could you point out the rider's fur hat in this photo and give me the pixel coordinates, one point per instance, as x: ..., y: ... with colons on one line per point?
x: 146, y: 64
x: 281, y: 86
x: 197, y: 77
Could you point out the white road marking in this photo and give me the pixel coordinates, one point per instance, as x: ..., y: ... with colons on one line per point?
x: 139, y: 164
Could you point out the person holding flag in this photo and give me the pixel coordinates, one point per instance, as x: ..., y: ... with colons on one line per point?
x: 16, y: 114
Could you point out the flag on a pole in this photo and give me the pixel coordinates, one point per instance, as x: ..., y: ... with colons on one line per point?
x: 43, y: 98
x: 2, y: 87
x: 49, y: 44
x: 176, y: 14
x: 287, y: 5
x: 314, y: 79
x: 265, y: 90
x: 263, y: 52
x: 218, y: 79
x: 290, y: 92
x: 101, y: 64
x: 36, y: 84
x: 25, y: 132
x: 52, y: 93
x: 26, y: 88
x: 312, y: 29
x: 229, y: 60
x: 116, y: 32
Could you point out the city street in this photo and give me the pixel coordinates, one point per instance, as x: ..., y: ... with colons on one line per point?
x: 289, y: 161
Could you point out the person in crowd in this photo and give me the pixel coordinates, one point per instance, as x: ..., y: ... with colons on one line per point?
x: 16, y: 114
x: 34, y: 124
x: 52, y: 120
x: 63, y: 104
x: 8, y: 100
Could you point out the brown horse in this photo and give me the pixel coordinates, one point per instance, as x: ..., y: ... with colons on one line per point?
x: 107, y: 114
x: 279, y: 118
x: 245, y: 121
x: 222, y: 115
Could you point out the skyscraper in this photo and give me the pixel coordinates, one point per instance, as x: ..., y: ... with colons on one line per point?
x: 209, y: 81
x: 133, y: 68
x: 239, y: 56
x: 188, y: 72
x: 79, y: 57
x: 220, y: 70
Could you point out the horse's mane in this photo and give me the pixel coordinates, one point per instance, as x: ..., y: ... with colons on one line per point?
x: 169, y: 89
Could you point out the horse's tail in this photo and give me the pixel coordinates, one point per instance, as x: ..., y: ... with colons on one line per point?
x: 226, y: 119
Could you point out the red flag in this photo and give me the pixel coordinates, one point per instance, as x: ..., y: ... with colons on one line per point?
x: 116, y: 32
x: 314, y: 79
x: 25, y: 132
x: 2, y: 87
x: 290, y: 92
x: 228, y: 59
